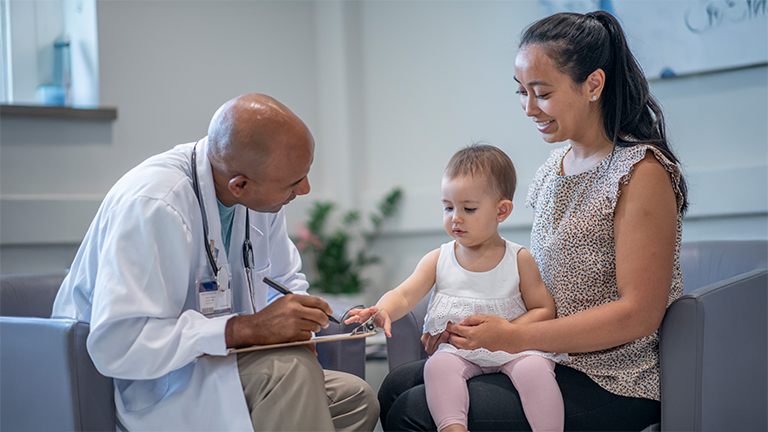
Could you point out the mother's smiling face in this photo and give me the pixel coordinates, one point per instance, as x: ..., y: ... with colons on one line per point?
x: 562, y: 109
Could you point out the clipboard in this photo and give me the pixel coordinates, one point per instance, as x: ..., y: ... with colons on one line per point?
x: 364, y: 330
x: 316, y: 339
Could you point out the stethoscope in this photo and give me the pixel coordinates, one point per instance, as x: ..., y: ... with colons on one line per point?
x: 222, y: 273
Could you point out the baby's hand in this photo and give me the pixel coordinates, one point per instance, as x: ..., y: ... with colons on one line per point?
x: 382, y: 321
x: 361, y: 315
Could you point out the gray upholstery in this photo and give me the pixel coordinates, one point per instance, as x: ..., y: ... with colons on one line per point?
x: 713, y: 340
x: 708, y: 262
x: 346, y: 356
x: 405, y: 344
x: 29, y: 295
x: 49, y: 382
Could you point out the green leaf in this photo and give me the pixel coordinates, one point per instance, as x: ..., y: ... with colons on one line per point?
x: 337, y: 271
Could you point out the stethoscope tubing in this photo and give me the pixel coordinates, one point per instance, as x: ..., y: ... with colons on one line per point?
x: 196, y: 185
x: 247, y: 246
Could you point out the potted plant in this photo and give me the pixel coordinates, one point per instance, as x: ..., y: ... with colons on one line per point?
x: 338, y: 255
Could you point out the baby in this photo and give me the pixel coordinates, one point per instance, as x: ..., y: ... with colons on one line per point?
x: 478, y: 273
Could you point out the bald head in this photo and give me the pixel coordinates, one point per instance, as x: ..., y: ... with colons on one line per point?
x: 256, y: 138
x: 246, y: 131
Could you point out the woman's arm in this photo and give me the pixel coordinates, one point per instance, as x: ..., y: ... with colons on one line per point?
x: 645, y: 226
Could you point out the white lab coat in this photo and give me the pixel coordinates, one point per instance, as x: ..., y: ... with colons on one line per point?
x: 133, y: 279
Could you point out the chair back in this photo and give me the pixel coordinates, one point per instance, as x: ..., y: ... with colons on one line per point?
x: 704, y: 263
x: 29, y: 295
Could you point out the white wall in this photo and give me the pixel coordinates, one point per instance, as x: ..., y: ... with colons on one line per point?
x: 435, y: 76
x: 166, y: 66
x: 390, y: 89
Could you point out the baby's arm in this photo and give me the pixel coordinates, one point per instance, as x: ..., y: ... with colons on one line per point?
x: 401, y: 300
x: 536, y: 296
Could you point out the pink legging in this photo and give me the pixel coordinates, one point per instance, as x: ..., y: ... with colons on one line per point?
x: 445, y: 379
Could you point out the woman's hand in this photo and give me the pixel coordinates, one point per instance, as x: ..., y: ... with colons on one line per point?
x: 483, y: 331
x: 431, y: 343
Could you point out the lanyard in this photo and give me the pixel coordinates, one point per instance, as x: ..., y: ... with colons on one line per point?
x: 247, y: 246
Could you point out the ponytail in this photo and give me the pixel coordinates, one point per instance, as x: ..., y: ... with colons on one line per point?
x: 581, y: 44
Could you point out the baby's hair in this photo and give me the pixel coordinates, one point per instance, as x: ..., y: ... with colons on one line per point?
x: 484, y: 160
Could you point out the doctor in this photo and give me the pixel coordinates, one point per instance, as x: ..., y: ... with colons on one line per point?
x: 163, y: 283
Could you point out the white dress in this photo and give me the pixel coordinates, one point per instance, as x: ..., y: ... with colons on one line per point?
x: 460, y: 293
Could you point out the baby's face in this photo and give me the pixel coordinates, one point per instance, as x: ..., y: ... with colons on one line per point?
x: 470, y: 213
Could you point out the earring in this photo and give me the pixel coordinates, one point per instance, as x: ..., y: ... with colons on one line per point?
x: 594, y: 97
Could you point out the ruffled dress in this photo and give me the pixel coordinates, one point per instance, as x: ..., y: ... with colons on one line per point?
x: 460, y: 293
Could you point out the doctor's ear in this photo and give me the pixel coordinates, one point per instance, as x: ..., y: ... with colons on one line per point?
x: 236, y: 185
x: 505, y: 209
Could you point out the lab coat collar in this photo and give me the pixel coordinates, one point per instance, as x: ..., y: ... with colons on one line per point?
x: 208, y: 193
x: 207, y: 189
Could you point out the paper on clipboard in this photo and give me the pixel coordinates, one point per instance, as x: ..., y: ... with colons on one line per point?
x: 316, y: 339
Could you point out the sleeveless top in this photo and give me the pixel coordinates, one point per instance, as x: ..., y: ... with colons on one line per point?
x: 573, y: 244
x: 460, y: 293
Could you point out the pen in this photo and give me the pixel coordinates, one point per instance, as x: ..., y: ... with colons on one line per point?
x: 285, y: 291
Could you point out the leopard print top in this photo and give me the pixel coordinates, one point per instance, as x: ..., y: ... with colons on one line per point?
x: 572, y: 241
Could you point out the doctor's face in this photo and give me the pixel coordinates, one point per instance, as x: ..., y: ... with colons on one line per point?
x: 284, y: 177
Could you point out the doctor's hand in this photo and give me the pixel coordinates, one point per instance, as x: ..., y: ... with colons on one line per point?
x: 287, y: 319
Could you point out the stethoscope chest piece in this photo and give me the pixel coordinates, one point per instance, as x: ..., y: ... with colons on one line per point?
x: 247, y: 246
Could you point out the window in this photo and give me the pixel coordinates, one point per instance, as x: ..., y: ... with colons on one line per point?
x: 49, y: 52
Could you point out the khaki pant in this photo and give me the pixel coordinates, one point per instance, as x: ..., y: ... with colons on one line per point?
x: 287, y: 390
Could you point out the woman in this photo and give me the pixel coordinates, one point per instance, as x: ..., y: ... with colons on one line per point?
x: 606, y: 236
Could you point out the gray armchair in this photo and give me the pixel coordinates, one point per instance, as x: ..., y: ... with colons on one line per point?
x: 49, y: 382
x: 713, y: 340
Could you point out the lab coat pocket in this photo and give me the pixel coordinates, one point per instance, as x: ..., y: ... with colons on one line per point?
x: 260, y: 293
x: 259, y: 273
x: 137, y: 395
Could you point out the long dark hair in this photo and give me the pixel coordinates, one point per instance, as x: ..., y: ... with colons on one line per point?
x: 581, y: 44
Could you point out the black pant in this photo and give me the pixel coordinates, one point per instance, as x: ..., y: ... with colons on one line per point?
x: 494, y: 404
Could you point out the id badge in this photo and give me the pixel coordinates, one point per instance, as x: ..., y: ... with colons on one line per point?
x: 214, y: 293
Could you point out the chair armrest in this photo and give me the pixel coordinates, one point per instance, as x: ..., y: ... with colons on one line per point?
x: 345, y: 356
x: 714, y: 351
x: 405, y: 344
x: 48, y: 380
